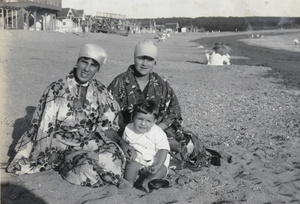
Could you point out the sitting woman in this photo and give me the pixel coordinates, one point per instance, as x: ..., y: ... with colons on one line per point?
x: 220, y: 55
x: 73, y: 129
x: 140, y: 82
x: 217, y: 59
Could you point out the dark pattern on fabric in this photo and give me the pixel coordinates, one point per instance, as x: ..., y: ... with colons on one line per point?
x: 126, y: 91
x: 68, y: 136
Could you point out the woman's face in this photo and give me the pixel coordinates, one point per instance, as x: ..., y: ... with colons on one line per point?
x: 144, y: 65
x: 86, y: 69
x: 143, y: 122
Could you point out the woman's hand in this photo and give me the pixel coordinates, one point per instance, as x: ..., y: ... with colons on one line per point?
x: 128, y: 150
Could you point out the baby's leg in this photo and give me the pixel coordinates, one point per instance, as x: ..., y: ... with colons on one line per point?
x: 131, y: 171
x: 161, y: 173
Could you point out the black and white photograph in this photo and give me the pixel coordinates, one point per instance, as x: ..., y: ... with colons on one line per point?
x: 149, y: 102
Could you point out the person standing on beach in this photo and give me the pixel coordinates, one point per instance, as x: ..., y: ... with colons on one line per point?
x: 150, y: 143
x: 83, y: 26
x: 140, y: 82
x: 73, y: 129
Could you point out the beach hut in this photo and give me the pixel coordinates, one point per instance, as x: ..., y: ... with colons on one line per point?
x: 171, y: 27
x: 33, y: 14
x: 146, y: 25
x: 69, y: 19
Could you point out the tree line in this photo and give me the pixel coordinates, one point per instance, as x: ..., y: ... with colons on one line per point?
x: 233, y: 23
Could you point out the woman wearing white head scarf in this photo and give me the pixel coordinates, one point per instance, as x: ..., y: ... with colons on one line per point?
x: 72, y: 128
x: 141, y: 82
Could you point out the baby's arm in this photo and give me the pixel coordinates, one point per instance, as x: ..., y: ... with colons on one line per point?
x: 161, y: 156
x: 157, y: 170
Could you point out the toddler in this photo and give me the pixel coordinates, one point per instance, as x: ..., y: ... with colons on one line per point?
x: 150, y: 143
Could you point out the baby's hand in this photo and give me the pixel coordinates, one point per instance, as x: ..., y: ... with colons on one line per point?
x: 153, y: 169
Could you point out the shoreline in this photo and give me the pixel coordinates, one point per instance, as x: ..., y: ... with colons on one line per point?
x: 283, y: 63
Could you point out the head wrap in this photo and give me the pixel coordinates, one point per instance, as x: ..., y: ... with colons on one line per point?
x: 94, y: 51
x: 146, y: 48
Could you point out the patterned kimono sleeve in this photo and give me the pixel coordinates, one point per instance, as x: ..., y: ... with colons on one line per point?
x: 27, y: 148
x: 110, y: 113
x: 114, y: 89
x: 172, y: 107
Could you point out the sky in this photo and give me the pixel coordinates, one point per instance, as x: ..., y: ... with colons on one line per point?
x: 188, y: 8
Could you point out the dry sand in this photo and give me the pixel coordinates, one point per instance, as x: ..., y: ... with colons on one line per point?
x: 237, y: 109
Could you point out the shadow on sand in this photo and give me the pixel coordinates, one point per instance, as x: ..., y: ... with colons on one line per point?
x: 15, y: 194
x: 21, y: 125
x: 196, y: 62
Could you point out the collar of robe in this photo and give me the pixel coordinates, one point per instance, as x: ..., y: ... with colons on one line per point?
x: 85, y: 84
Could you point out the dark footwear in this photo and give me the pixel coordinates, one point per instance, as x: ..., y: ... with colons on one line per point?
x: 159, y: 183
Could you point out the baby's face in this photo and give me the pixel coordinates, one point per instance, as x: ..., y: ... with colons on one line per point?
x: 143, y: 122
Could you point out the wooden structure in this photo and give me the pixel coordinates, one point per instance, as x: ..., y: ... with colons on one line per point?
x: 108, y: 23
x: 29, y: 14
x: 70, y: 20
x: 144, y: 25
x: 171, y: 27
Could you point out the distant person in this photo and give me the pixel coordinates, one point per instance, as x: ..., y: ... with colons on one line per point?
x: 128, y: 30
x: 162, y: 37
x: 217, y: 59
x: 83, y: 26
x: 168, y: 34
x: 219, y: 56
x: 150, y: 143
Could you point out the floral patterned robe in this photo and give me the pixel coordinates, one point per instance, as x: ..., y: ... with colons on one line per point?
x: 126, y: 91
x: 70, y: 138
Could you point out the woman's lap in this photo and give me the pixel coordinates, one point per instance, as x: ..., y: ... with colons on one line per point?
x: 97, y: 162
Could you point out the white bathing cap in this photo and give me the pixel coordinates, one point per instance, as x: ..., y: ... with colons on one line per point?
x: 94, y: 51
x: 146, y: 48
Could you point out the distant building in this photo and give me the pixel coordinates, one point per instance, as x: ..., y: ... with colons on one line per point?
x: 145, y: 25
x: 25, y: 14
x: 171, y: 27
x: 188, y: 29
x: 69, y: 20
x: 160, y: 28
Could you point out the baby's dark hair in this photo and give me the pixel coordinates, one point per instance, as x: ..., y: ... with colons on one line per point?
x: 145, y: 106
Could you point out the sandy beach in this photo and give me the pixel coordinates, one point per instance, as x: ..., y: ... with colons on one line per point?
x: 250, y: 111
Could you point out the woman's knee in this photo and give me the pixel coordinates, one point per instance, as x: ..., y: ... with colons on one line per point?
x: 132, y: 166
x: 175, y: 146
x: 131, y: 171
